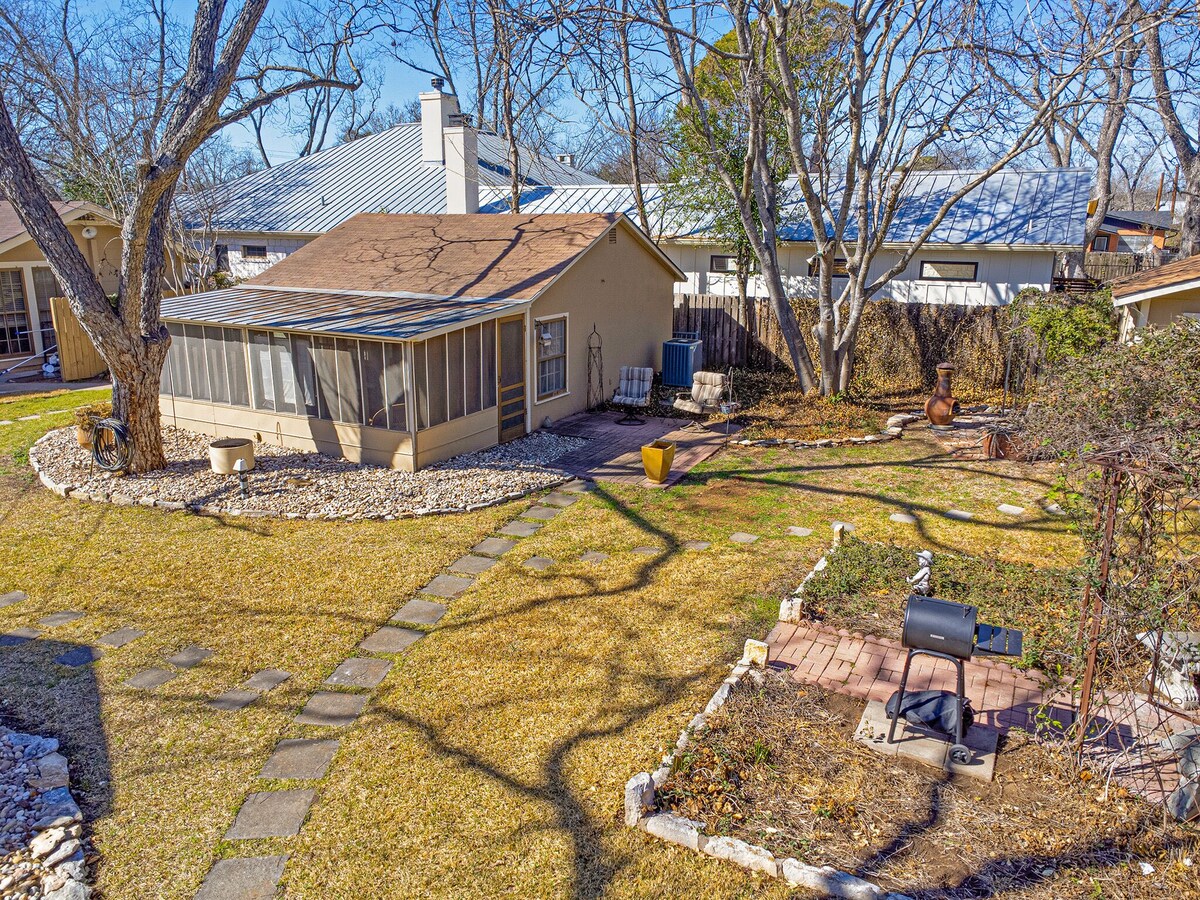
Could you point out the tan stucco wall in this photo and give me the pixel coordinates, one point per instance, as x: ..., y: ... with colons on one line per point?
x: 1158, y: 311
x: 358, y: 443
x: 103, y: 252
x: 628, y: 295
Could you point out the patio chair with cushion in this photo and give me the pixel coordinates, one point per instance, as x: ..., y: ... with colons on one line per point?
x: 706, y: 395
x: 633, y: 392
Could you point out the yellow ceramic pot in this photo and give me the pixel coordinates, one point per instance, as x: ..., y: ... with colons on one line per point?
x: 657, y: 457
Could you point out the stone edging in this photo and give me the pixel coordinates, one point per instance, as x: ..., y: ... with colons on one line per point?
x: 641, y: 804
x: 55, y: 846
x: 209, y: 509
x: 892, y: 430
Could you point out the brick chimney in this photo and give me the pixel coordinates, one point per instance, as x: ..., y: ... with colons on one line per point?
x: 436, y: 109
x: 462, y: 169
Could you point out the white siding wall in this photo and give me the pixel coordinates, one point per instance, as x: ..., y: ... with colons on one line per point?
x: 1001, y: 274
x: 277, y: 249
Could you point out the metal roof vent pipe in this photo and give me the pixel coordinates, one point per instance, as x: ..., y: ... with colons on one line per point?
x: 437, y: 107
x: 462, y: 170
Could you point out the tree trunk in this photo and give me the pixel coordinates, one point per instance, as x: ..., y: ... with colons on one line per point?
x: 1189, y: 225
x: 136, y: 381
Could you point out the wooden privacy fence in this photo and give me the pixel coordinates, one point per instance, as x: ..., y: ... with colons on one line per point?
x: 899, y: 344
x: 732, y: 336
x: 76, y: 354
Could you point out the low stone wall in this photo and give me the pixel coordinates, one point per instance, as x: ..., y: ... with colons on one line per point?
x: 42, y: 848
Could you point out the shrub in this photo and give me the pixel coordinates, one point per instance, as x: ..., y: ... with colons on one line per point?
x: 86, y: 417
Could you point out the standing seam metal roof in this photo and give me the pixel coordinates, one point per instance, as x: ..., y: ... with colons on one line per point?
x: 382, y: 172
x: 399, y: 316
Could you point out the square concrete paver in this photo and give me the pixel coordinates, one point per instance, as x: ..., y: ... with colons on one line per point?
x: 79, y: 656
x: 797, y: 531
x: 120, y: 637
x: 696, y: 545
x: 389, y: 639
x: 960, y: 515
x: 61, y: 618
x: 266, y: 680
x: 271, y: 814
x: 592, y: 556
x: 420, y: 612
x: 249, y: 878
x: 304, y: 759
x: 578, y: 486
x: 903, y: 519
x: 540, y: 513
x: 741, y: 537
x: 558, y: 499
x: 1009, y: 510
x: 332, y: 708
x: 520, y: 529
x: 189, y: 657
x: 447, y: 586
x: 150, y: 679
x: 12, y: 597
x: 359, y: 672
x: 927, y: 747
x: 18, y: 636
x: 472, y: 565
x: 541, y: 563
x: 647, y: 551
x: 493, y: 546
x: 233, y: 699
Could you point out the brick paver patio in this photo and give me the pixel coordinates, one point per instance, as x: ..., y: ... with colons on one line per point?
x: 869, y: 668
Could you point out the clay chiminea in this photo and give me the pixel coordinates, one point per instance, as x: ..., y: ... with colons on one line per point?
x: 941, y: 408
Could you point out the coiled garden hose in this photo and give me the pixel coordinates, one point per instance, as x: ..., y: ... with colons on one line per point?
x: 110, y: 445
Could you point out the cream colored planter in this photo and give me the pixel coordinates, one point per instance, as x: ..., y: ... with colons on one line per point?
x: 226, y: 452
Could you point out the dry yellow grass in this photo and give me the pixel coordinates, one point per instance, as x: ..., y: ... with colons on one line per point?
x: 491, y: 760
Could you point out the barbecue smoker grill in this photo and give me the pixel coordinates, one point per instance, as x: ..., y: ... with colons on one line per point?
x: 947, y: 630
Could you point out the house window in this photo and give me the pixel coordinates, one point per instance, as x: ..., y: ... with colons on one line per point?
x: 839, y: 268
x: 14, y: 316
x: 45, y: 286
x: 1100, y: 243
x: 722, y: 264
x: 551, y: 358
x: 949, y: 271
x: 254, y: 251
x: 205, y: 362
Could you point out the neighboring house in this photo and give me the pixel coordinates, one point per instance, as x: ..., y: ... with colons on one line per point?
x: 1002, y: 237
x: 1158, y: 296
x: 433, y: 166
x: 27, y: 284
x: 403, y: 340
x: 1133, y: 231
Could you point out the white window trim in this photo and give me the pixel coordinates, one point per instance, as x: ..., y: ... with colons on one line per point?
x: 949, y: 262
x: 566, y: 392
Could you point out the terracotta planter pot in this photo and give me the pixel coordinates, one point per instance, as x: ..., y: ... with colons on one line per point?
x: 225, y: 453
x: 997, y: 446
x: 84, y: 437
x: 657, y: 457
x: 940, y: 409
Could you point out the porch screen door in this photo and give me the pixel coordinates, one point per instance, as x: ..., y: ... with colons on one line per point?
x: 512, y: 378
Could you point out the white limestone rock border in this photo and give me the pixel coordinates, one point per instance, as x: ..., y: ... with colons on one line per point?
x: 530, y: 479
x: 42, y: 847
x: 641, y: 811
x: 791, y: 609
x: 893, y: 429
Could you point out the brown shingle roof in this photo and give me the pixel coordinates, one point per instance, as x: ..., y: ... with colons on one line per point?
x: 1179, y: 272
x: 498, y: 256
x: 10, y: 225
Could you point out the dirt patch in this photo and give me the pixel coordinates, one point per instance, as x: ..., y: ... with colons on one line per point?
x: 779, y: 768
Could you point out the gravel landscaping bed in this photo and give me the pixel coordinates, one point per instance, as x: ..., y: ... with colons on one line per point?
x: 298, y: 484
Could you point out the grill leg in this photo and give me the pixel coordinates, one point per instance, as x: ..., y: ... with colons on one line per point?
x: 900, y: 697
x: 960, y: 753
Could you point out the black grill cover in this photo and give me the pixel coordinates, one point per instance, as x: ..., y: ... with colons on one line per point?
x: 933, y: 709
x: 942, y: 625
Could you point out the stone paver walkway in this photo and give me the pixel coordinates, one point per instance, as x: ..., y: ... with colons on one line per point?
x: 869, y: 668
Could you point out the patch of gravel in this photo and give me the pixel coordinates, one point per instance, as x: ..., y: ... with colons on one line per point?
x: 42, y: 847
x: 300, y: 484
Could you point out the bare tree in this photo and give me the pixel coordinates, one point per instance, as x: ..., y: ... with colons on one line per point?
x: 184, y: 107
x: 1171, y: 33
x: 904, y: 79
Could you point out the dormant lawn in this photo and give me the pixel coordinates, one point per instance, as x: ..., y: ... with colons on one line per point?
x: 490, y: 762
